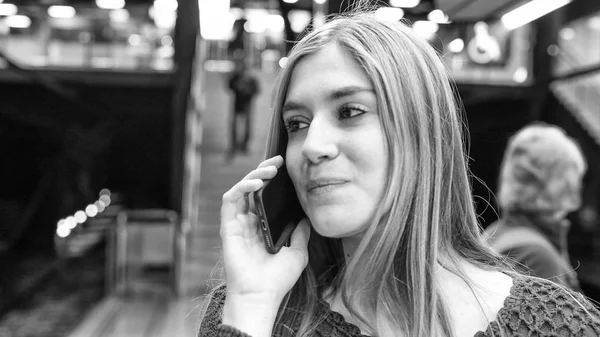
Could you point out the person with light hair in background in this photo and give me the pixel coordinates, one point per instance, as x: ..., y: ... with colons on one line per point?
x: 540, y: 183
x: 367, y: 128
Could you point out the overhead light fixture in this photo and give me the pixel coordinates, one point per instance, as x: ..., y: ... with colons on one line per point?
x: 456, y: 46
x: 110, y: 4
x: 404, y: 3
x: 275, y: 23
x: 216, y: 20
x: 8, y: 9
x: 119, y: 15
x: 299, y: 19
x: 286, y: 1
x: 530, y: 11
x: 389, y: 14
x: 18, y: 21
x: 61, y: 12
x: 426, y: 29
x: 438, y: 16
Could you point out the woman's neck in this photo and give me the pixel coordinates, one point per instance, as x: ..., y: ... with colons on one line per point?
x: 350, y: 244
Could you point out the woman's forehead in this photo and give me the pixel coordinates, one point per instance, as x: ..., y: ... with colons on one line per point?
x: 330, y: 67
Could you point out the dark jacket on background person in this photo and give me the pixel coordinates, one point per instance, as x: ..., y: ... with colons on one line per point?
x: 539, y: 245
x: 244, y: 87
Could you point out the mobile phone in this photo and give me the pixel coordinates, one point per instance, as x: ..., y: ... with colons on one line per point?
x: 278, y: 210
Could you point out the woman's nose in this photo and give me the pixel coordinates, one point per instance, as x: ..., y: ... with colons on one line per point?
x: 320, y: 142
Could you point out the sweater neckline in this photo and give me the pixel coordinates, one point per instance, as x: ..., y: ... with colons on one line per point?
x: 339, y: 320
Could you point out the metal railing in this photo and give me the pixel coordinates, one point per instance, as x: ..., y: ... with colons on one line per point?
x: 144, y: 238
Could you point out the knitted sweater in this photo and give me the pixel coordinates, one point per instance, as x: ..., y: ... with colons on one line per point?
x: 535, y: 307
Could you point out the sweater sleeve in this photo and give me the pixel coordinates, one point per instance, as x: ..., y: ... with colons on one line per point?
x: 538, y: 307
x: 211, y: 321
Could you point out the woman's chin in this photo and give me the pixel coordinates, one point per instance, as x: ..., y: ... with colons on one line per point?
x: 334, y: 227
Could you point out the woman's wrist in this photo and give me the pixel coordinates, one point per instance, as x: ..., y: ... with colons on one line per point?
x: 252, y: 314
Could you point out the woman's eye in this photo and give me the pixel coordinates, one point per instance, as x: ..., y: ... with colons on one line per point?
x: 350, y: 111
x: 295, y: 125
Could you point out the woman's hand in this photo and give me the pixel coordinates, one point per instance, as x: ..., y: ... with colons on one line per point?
x: 256, y: 280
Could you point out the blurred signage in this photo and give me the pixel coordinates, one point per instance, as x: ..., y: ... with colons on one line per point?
x: 487, y: 53
x: 484, y: 48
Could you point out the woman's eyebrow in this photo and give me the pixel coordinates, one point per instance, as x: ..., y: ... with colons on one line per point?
x: 333, y: 95
x: 348, y: 91
x: 291, y: 105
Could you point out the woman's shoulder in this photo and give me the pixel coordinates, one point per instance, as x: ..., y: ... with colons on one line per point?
x: 212, y: 313
x: 537, y: 305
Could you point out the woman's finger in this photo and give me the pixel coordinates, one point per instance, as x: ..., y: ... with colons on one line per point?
x: 229, y: 209
x: 300, y: 238
x: 243, y: 204
x: 266, y: 172
x: 276, y: 161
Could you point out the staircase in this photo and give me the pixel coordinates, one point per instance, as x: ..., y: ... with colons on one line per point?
x: 218, y: 175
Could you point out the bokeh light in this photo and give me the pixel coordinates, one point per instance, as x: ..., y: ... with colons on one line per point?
x: 70, y: 222
x: 80, y: 216
x: 63, y: 231
x: 91, y: 211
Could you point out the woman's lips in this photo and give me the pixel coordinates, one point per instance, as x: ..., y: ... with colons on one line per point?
x: 315, y: 186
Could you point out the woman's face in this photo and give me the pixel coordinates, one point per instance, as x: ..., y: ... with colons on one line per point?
x: 336, y: 154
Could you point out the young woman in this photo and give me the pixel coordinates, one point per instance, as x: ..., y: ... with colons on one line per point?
x: 367, y: 126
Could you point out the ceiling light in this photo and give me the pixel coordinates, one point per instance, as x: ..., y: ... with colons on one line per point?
x: 456, y: 46
x: 389, y: 14
x: 8, y: 9
x: 299, y: 19
x: 425, y: 29
x: 119, y: 15
x: 275, y: 22
x: 404, y: 3
x: 61, y: 12
x: 216, y: 20
x: 286, y: 1
x: 18, y: 21
x: 438, y: 16
x: 530, y: 11
x: 110, y: 4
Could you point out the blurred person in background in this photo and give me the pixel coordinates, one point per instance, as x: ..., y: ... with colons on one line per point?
x: 244, y: 86
x: 539, y: 184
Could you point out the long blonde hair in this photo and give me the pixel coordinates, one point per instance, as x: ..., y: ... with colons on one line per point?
x: 427, y: 207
